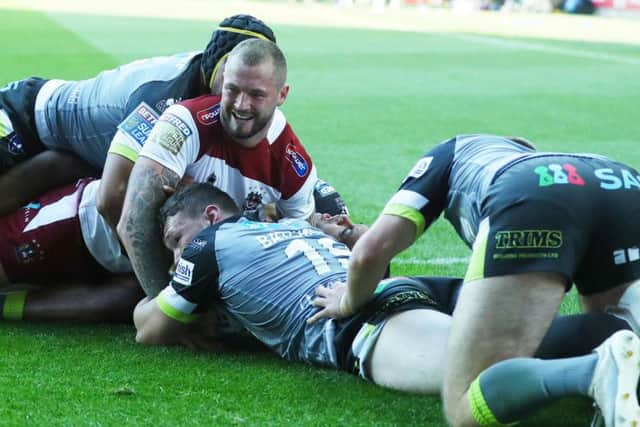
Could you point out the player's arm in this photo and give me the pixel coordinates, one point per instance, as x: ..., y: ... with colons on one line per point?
x: 139, y: 228
x: 113, y: 187
x: 153, y: 327
x: 127, y: 142
x: 368, y: 263
x: 31, y: 178
x: 371, y: 255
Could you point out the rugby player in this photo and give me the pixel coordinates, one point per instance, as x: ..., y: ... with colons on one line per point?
x: 239, y: 141
x: 226, y: 253
x: 41, y: 120
x: 63, y: 262
x: 538, y: 222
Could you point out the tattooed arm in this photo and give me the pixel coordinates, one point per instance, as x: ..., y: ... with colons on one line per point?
x: 138, y: 227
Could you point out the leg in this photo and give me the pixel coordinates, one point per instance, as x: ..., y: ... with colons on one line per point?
x: 422, y: 335
x: 496, y: 319
x: 27, y: 180
x: 110, y: 301
x: 578, y: 334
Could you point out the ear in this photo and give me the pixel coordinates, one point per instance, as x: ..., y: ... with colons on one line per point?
x: 213, y: 214
x: 282, y: 96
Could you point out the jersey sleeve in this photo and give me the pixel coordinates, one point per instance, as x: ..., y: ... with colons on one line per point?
x: 298, y: 175
x: 194, y: 286
x: 174, y: 141
x: 133, y: 132
x: 423, y: 193
x: 302, y: 203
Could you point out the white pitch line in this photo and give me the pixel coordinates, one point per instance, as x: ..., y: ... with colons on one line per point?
x: 432, y: 261
x: 552, y: 49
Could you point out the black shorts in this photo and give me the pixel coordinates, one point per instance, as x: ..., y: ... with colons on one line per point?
x: 394, y: 295
x: 21, y: 141
x: 568, y: 214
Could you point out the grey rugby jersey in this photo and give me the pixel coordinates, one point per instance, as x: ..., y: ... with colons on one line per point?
x: 83, y: 116
x: 266, y: 276
x: 454, y: 177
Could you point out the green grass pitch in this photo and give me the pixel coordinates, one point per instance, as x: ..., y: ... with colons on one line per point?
x: 367, y: 104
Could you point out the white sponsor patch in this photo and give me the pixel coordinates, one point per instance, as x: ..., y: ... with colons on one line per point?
x: 184, y: 272
x: 421, y: 167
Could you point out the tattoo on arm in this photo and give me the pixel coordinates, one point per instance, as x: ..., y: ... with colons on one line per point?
x: 140, y: 230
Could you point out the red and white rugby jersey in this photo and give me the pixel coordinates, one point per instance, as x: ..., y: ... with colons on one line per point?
x: 189, y: 140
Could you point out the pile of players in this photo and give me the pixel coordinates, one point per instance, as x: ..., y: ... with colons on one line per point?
x: 161, y: 190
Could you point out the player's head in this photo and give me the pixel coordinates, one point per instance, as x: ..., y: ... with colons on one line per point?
x: 190, y: 210
x: 339, y: 227
x: 230, y: 32
x: 254, y: 84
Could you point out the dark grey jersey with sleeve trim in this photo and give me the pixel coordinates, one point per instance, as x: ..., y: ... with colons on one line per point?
x: 266, y: 276
x: 83, y: 116
x: 454, y: 177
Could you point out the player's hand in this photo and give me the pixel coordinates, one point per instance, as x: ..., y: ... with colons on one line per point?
x: 328, y: 300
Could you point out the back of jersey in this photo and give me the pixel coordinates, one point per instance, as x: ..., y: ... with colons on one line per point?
x: 82, y: 116
x: 268, y: 274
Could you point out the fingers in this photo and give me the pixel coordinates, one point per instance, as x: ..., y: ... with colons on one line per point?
x: 319, y: 315
x: 322, y: 291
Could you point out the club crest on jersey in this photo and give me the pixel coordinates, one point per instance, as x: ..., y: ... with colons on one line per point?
x: 299, y: 163
x: 184, y: 272
x: 209, y: 116
x: 251, y: 204
x: 198, y: 244
x: 26, y: 253
x: 421, y: 167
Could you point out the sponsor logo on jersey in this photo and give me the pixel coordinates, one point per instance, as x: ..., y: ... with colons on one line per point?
x: 528, y: 239
x: 168, y: 136
x: 139, y: 123
x: 300, y: 165
x: 421, y: 167
x: 623, y: 256
x: 324, y: 189
x: 184, y: 272
x: 209, y: 116
x: 177, y: 122
x: 615, y: 180
x: 558, y: 174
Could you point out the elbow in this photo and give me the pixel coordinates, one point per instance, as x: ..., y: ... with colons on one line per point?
x: 121, y: 229
x: 108, y: 210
